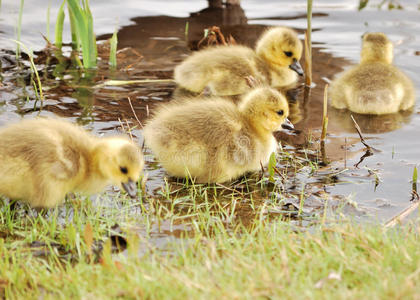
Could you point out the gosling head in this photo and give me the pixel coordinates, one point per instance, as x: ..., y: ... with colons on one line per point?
x: 120, y: 161
x: 266, y: 109
x: 280, y: 46
x: 376, y: 48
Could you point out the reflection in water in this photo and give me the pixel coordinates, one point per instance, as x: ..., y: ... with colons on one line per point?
x: 369, y: 123
x: 221, y: 14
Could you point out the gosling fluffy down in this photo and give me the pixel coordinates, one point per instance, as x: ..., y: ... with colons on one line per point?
x: 214, y: 140
x: 222, y: 70
x: 41, y: 160
x: 374, y: 86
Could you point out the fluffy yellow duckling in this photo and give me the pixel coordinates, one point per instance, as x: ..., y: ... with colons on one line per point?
x: 42, y: 160
x: 223, y: 69
x: 374, y: 86
x: 214, y: 140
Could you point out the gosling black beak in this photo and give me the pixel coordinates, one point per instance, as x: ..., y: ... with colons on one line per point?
x: 295, y: 66
x: 287, y: 125
x: 130, y: 187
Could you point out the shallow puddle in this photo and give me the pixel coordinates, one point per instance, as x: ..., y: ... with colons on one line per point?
x: 152, y: 40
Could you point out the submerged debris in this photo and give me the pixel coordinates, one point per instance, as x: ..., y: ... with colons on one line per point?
x: 213, y: 36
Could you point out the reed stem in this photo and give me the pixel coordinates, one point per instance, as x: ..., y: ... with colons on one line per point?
x: 308, y: 45
x: 19, y: 28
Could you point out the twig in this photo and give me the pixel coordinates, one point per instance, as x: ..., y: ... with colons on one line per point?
x: 125, y: 82
x: 360, y: 133
x: 129, y: 129
x: 414, y: 196
x: 229, y: 189
x: 262, y: 170
x: 402, y: 215
x: 134, y: 112
x: 370, y: 150
x: 308, y: 60
x: 362, y: 158
x: 345, y: 153
x: 279, y: 173
x: 122, y: 125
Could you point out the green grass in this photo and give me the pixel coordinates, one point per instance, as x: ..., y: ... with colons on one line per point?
x: 227, y: 242
x: 269, y: 260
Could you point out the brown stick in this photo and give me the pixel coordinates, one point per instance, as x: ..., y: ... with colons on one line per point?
x: 134, y: 112
x: 402, y: 215
x: 308, y: 60
x: 360, y: 133
x: 324, y: 114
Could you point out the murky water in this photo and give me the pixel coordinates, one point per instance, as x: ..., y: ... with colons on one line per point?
x: 152, y: 41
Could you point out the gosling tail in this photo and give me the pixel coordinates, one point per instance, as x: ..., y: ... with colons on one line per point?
x: 376, y: 102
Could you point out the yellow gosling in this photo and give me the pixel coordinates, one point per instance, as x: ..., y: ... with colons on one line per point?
x: 374, y: 86
x: 42, y: 160
x: 214, y: 140
x: 223, y: 69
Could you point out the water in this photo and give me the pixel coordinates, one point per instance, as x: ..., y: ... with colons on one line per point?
x: 152, y: 36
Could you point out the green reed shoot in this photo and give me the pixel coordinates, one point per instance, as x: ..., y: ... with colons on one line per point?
x: 48, y: 19
x: 113, y: 42
x: 271, y: 165
x: 414, y: 180
x: 37, y: 84
x: 301, y: 200
x: 59, y: 26
x: 325, y: 114
x: 75, y: 41
x: 187, y: 28
x: 363, y: 4
x: 81, y: 22
x: 324, y: 127
x: 19, y: 27
x: 308, y: 45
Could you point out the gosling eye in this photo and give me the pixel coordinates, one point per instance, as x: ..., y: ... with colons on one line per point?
x: 280, y: 112
x: 288, y: 53
x: 124, y: 170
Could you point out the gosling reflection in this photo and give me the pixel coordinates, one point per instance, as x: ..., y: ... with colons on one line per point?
x: 369, y: 123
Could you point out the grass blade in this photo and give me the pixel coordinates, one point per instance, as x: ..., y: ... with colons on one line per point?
x: 325, y: 114
x: 34, y: 70
x: 59, y: 26
x: 74, y: 35
x: 113, y: 41
x: 19, y: 28
x: 83, y: 26
x: 48, y: 19
x: 271, y: 165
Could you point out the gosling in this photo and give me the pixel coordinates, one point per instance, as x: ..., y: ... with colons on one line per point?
x: 215, y: 140
x: 41, y: 160
x: 222, y: 70
x: 374, y: 86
